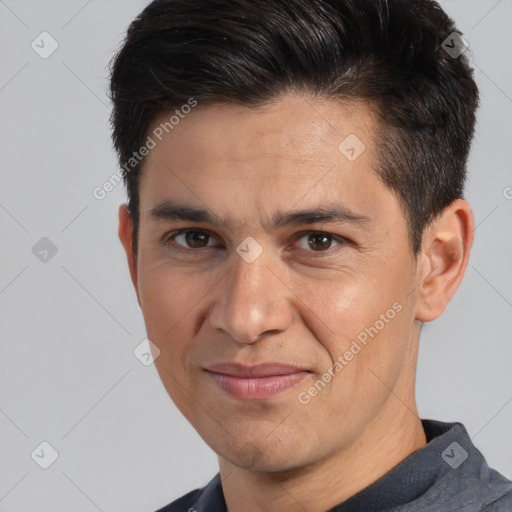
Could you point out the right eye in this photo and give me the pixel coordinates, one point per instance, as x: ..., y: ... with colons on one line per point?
x: 188, y: 239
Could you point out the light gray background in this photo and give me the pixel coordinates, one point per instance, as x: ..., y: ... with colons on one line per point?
x: 68, y: 375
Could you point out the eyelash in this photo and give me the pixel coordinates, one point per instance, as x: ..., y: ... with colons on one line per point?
x: 169, y: 237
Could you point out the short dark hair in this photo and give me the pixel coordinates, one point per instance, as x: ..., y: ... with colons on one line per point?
x: 250, y: 52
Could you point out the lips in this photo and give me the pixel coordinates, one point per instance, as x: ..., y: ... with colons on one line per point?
x: 258, y: 381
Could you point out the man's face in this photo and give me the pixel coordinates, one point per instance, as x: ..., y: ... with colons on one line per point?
x: 246, y: 327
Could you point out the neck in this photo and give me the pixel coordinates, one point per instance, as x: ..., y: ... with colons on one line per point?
x: 391, y: 437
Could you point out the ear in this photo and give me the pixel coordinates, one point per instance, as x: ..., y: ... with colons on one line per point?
x: 444, y: 258
x: 125, y: 232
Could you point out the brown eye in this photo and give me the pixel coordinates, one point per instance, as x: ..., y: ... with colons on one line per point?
x: 191, y: 239
x: 319, y: 241
x: 196, y: 239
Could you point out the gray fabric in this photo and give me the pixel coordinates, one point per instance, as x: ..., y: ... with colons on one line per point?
x: 448, y: 474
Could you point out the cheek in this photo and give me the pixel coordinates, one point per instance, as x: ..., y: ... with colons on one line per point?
x: 360, y: 317
x: 336, y: 310
x: 168, y: 303
x: 168, y: 292
x: 161, y: 301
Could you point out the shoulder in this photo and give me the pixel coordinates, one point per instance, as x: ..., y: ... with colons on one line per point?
x: 491, y: 493
x: 183, y: 504
x: 206, y: 499
x: 501, y: 504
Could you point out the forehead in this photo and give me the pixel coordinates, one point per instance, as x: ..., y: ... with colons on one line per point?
x: 295, y: 126
x: 294, y: 151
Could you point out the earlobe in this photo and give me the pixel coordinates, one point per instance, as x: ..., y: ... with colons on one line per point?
x: 445, y: 254
x: 125, y: 232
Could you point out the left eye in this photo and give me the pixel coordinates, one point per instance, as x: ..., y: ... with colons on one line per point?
x: 317, y: 241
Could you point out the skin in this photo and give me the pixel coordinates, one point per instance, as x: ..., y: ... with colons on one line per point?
x: 301, y: 302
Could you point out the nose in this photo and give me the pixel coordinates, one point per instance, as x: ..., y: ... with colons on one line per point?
x: 251, y: 302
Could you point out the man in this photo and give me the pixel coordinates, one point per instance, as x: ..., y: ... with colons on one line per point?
x: 295, y: 173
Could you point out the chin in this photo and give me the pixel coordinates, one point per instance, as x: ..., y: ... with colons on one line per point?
x: 261, y: 455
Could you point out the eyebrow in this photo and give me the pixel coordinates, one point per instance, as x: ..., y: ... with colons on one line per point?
x: 170, y: 211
